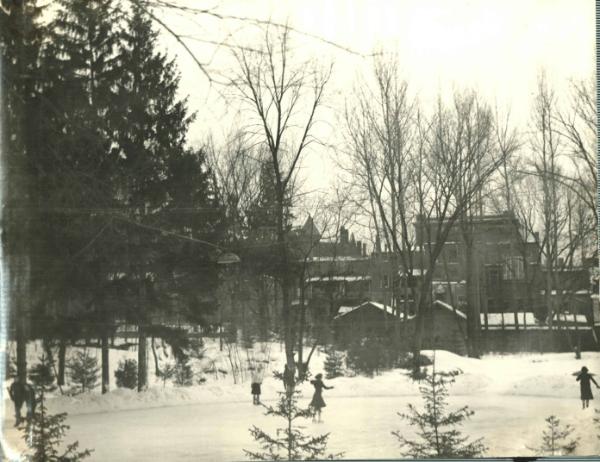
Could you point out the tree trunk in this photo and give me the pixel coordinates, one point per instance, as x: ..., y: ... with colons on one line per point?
x: 157, y: 371
x: 142, y: 359
x: 62, y: 353
x: 105, y: 363
x: 21, y: 346
x: 473, y: 310
x: 301, y: 322
x: 423, y: 303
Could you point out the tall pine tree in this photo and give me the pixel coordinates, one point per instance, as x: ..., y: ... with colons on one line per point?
x: 164, y: 191
x: 81, y: 66
x: 21, y: 38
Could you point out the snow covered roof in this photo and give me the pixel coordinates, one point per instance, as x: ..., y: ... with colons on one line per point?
x: 508, y: 319
x: 570, y: 317
x: 338, y: 278
x: 527, y: 319
x: 344, y: 310
x: 339, y: 258
x: 578, y: 292
x: 450, y: 308
x: 415, y: 272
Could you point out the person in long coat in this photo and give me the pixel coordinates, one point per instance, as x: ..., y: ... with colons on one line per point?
x: 22, y: 393
x: 318, y: 402
x: 585, y: 378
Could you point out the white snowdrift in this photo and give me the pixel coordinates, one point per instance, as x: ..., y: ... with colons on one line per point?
x: 547, y: 375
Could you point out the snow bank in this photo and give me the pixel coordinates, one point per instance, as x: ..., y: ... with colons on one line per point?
x: 544, y: 375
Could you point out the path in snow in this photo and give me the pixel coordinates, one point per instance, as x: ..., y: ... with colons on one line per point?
x: 359, y: 426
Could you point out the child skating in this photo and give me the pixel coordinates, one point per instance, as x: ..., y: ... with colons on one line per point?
x: 317, y: 402
x: 584, y: 378
x: 257, y: 376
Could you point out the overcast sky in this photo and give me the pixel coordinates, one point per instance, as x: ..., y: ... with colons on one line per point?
x: 495, y: 46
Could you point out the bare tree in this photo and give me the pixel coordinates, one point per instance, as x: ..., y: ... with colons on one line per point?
x: 578, y: 126
x: 381, y: 131
x: 546, y: 145
x: 428, y: 172
x: 236, y: 165
x: 283, y: 99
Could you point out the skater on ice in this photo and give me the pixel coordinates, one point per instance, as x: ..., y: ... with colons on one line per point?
x: 257, y: 376
x: 317, y: 402
x: 22, y: 393
x: 584, y: 378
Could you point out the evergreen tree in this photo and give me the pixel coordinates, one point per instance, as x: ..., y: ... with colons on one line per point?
x: 368, y: 355
x: 84, y: 370
x: 183, y: 374
x: 42, y: 374
x: 126, y: 374
x: 289, y: 442
x: 555, y: 440
x: 77, y: 171
x: 438, y: 435
x: 44, y: 437
x: 163, y: 186
x: 334, y: 364
x: 21, y: 38
x: 167, y: 372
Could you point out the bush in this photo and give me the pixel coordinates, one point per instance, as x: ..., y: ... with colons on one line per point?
x: 368, y: 356
x: 42, y: 374
x: 167, y: 372
x: 334, y: 364
x: 406, y: 361
x: 184, y: 376
x: 84, y: 370
x: 126, y: 374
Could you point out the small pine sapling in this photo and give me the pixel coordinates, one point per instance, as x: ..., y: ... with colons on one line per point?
x: 167, y: 372
x: 334, y: 364
x: 44, y: 437
x: 126, y: 374
x: 438, y: 435
x: 84, y: 370
x: 556, y: 439
x: 183, y: 376
x: 42, y: 374
x: 289, y: 442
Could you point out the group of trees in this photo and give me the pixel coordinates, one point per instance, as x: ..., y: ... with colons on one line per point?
x: 444, y: 167
x: 109, y: 215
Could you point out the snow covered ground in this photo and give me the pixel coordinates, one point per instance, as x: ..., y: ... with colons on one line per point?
x: 510, y: 394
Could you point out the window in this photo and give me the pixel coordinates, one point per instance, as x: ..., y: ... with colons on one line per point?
x: 451, y: 252
x: 514, y: 269
x: 385, y: 282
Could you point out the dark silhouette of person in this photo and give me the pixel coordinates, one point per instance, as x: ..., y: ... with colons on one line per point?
x: 255, y: 385
x: 317, y: 403
x: 21, y: 393
x: 585, y: 378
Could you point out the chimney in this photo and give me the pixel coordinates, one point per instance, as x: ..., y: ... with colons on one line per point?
x: 364, y: 250
x: 359, y: 247
x: 343, y: 235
